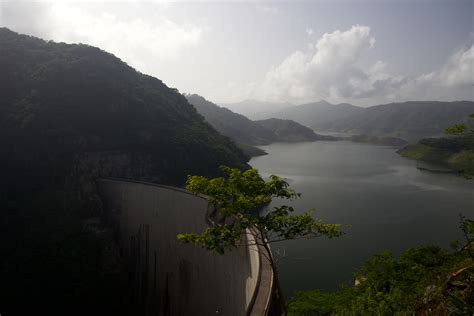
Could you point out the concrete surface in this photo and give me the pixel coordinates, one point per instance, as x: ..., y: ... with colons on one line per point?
x: 171, y: 278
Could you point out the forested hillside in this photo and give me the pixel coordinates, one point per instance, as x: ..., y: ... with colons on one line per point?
x: 70, y: 114
x: 233, y: 125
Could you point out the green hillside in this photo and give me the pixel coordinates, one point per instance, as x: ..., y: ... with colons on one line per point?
x: 233, y: 125
x: 456, y: 152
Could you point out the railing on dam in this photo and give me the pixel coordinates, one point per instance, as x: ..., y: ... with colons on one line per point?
x: 171, y: 278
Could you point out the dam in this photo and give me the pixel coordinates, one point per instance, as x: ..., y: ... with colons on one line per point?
x: 171, y: 278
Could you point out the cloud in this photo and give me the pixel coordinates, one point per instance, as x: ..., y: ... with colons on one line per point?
x: 138, y: 41
x: 309, y: 31
x: 267, y: 9
x: 332, y: 70
x: 327, y: 70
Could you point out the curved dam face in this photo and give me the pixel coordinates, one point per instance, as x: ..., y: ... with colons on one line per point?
x: 171, y: 278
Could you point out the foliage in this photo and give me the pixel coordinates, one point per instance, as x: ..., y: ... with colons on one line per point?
x: 424, y: 279
x: 456, y: 129
x: 455, y: 151
x: 238, y: 196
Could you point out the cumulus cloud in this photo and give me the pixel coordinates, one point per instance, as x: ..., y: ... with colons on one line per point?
x: 328, y: 70
x: 332, y: 70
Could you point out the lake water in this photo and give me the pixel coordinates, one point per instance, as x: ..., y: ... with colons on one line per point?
x: 388, y: 201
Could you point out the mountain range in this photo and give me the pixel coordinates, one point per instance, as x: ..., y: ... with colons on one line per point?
x: 255, y: 109
x: 411, y: 120
x: 247, y: 133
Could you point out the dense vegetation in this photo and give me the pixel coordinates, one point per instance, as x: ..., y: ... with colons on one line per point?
x: 70, y: 114
x: 455, y: 152
x: 423, y: 281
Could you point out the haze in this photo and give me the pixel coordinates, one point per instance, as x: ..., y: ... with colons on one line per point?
x: 361, y: 52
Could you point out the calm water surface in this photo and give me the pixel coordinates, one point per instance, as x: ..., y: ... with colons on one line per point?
x: 387, y: 200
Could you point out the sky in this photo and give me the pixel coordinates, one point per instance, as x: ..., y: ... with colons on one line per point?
x: 363, y: 52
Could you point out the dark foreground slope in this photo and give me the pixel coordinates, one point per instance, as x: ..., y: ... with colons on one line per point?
x: 70, y: 114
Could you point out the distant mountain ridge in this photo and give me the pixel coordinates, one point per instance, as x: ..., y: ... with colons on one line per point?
x: 255, y: 109
x: 316, y: 114
x: 290, y: 131
x: 233, y: 125
x: 247, y: 133
x: 410, y: 120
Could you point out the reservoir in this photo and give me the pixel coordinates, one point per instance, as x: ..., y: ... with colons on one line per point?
x: 388, y: 202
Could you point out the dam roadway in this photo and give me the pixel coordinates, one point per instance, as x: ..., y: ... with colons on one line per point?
x: 171, y: 278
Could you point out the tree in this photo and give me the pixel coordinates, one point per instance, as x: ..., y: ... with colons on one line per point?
x: 460, y: 128
x: 465, y: 131
x: 239, y: 197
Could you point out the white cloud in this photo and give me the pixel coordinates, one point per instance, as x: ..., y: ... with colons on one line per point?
x: 332, y: 70
x: 309, y: 31
x: 267, y: 9
x: 459, y: 70
x: 138, y: 41
x: 328, y: 70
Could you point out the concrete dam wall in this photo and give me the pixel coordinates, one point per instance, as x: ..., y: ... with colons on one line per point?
x: 171, y: 278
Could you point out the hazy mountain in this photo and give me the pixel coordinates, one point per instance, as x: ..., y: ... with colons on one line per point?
x: 255, y: 109
x: 317, y: 113
x: 409, y: 120
x: 290, y: 131
x: 246, y: 132
x: 236, y: 126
